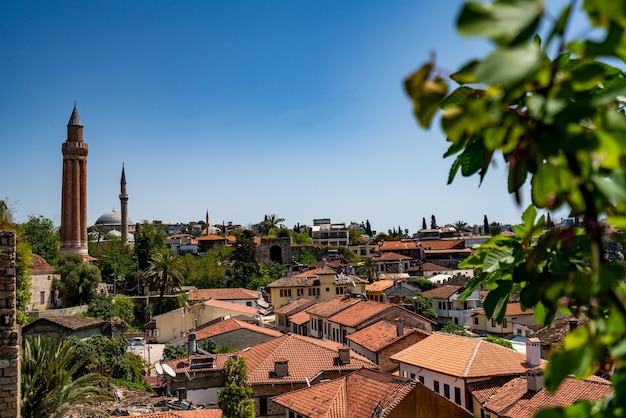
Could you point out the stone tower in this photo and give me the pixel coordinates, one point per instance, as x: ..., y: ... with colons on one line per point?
x: 74, y: 238
x: 124, y: 206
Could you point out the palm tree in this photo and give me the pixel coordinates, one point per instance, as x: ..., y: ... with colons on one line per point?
x: 50, y: 383
x: 460, y: 227
x: 271, y: 222
x: 165, y: 272
x: 367, y: 269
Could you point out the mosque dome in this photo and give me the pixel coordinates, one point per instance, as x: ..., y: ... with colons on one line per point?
x: 111, y: 218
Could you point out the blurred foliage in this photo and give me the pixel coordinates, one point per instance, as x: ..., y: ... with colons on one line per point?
x: 552, y: 108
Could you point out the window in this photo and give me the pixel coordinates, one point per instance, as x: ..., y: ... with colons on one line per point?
x: 412, y: 376
x: 248, y: 303
x: 475, y: 320
x: 300, y: 292
x: 505, y: 323
x: 328, y: 289
x: 292, y: 414
x: 436, y: 386
x: 363, y: 251
x: 446, y: 390
x: 519, y: 331
x: 493, y: 322
x: 422, y: 380
x: 263, y: 406
x: 457, y: 395
x: 42, y: 298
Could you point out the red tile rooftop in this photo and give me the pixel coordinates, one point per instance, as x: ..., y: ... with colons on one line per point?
x: 223, y: 294
x: 443, y: 292
x: 381, y: 334
x: 511, y: 309
x: 463, y: 357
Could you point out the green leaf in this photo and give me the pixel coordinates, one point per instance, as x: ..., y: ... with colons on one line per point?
x: 466, y: 74
x: 614, y: 45
x: 457, y: 97
x: 506, y: 66
x: 425, y: 93
x: 602, y: 12
x: 504, y: 21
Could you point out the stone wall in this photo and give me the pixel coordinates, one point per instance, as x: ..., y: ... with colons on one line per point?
x: 10, y: 390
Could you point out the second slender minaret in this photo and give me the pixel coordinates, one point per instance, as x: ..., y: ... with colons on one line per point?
x: 74, y: 238
x: 124, y: 206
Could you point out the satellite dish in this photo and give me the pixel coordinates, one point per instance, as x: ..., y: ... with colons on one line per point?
x: 167, y: 369
x: 158, y: 368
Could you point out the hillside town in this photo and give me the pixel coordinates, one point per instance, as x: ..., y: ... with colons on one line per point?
x: 327, y: 319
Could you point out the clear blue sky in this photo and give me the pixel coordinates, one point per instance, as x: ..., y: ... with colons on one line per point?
x: 241, y: 108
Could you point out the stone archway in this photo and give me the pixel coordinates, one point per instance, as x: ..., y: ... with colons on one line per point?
x: 276, y: 254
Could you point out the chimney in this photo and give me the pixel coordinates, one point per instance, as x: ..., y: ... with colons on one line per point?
x: 324, y: 264
x: 281, y: 368
x: 399, y: 326
x: 533, y: 352
x: 573, y: 324
x: 344, y: 355
x: 534, y: 379
x: 191, y: 343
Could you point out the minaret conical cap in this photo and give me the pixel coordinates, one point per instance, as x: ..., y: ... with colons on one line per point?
x: 75, y: 118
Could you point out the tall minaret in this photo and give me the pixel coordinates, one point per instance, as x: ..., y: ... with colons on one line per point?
x: 74, y: 238
x: 124, y: 206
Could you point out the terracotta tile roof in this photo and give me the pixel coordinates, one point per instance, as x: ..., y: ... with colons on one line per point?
x: 483, y: 391
x: 248, y: 310
x: 353, y: 396
x: 332, y: 306
x: 442, y: 244
x: 557, y: 331
x: 511, y: 309
x: 356, y: 314
x: 381, y: 334
x: 337, y: 264
x: 514, y: 400
x: 434, y: 267
x: 463, y: 357
x: 229, y: 325
x: 300, y: 318
x: 294, y: 306
x: 391, y: 256
x: 443, y: 292
x: 306, y: 358
x: 198, y: 363
x: 397, y: 245
x: 40, y: 265
x: 72, y: 322
x: 379, y: 285
x: 308, y: 273
x: 196, y: 413
x: 211, y: 237
x: 450, y: 251
x: 293, y: 281
x: 238, y: 293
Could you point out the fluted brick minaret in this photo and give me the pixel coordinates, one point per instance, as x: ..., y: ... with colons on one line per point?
x: 74, y: 238
x: 124, y: 206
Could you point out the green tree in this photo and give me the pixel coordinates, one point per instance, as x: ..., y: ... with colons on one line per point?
x: 124, y: 308
x: 208, y: 345
x: 101, y: 306
x: 116, y: 261
x: 433, y: 222
x: 108, y: 357
x: 149, y: 238
x: 500, y: 341
x: 424, y: 305
x: 425, y: 284
x: 301, y: 238
x: 79, y: 280
x: 424, y: 223
x: 244, y: 263
x: 236, y: 399
x: 460, y: 227
x: 356, y: 237
x: 23, y: 264
x: 495, y: 228
x: 548, y: 105
x: 174, y: 351
x: 270, y: 224
x: 452, y: 328
x: 367, y: 269
x: 51, y: 386
x: 306, y: 257
x: 486, y: 229
x: 43, y: 237
x: 164, y: 273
